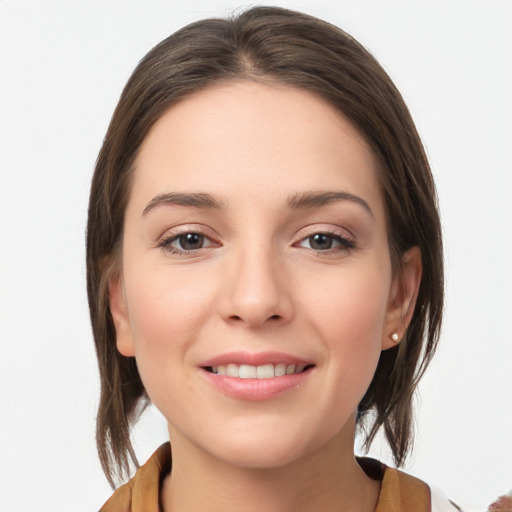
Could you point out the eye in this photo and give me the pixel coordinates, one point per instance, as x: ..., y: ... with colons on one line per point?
x: 186, y: 242
x: 326, y: 242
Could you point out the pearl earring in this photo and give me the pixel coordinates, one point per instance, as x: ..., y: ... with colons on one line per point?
x: 394, y: 337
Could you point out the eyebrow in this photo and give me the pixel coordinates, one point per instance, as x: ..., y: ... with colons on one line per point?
x: 306, y: 200
x: 297, y: 201
x: 196, y: 200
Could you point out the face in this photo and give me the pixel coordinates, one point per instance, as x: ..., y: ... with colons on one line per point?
x: 256, y: 290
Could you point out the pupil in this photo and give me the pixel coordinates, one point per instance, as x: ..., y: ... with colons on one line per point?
x: 191, y: 241
x: 321, y: 241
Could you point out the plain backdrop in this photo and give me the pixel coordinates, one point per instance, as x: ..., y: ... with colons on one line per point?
x: 62, y: 67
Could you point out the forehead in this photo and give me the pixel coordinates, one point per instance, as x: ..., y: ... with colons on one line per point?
x: 247, y: 139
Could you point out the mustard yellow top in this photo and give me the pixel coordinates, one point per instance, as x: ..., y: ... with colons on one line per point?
x: 399, y: 492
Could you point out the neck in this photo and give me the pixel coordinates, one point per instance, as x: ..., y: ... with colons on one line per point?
x: 329, y: 479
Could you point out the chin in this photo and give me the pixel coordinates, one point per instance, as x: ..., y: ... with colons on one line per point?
x: 273, y: 448
x: 258, y: 457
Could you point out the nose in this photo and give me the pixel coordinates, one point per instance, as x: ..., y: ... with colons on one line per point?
x: 255, y: 290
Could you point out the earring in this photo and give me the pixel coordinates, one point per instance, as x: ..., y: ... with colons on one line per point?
x: 394, y: 337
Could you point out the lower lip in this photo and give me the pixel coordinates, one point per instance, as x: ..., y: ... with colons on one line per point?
x: 256, y: 389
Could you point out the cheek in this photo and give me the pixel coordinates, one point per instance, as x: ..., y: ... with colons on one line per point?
x: 349, y: 301
x: 349, y: 314
x: 166, y: 311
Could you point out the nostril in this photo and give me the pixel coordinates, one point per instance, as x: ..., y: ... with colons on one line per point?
x: 254, y: 320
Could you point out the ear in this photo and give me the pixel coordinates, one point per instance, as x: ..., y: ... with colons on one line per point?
x: 119, y: 311
x: 402, y: 298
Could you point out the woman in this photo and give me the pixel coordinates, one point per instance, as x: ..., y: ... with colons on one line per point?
x: 265, y: 265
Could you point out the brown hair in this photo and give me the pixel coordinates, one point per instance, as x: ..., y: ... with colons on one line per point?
x: 271, y: 45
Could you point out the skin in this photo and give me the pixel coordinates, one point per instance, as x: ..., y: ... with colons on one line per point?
x: 258, y: 283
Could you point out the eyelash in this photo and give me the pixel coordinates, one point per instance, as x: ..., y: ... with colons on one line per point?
x: 166, y: 243
x: 345, y: 244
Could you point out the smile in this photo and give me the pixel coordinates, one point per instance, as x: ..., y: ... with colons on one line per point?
x: 266, y: 371
x: 261, y: 380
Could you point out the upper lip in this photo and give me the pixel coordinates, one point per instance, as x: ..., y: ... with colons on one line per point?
x: 255, y: 359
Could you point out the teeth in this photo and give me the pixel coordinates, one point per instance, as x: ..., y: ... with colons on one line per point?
x: 266, y: 371
x: 280, y: 370
x: 232, y: 370
x: 246, y: 372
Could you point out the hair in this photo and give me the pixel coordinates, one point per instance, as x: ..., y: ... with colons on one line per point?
x: 279, y: 46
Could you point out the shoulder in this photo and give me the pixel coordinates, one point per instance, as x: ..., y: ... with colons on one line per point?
x: 411, y: 493
x: 401, y: 492
x: 142, y: 492
x: 121, y: 500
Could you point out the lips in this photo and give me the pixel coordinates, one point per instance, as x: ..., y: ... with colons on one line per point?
x: 256, y: 376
